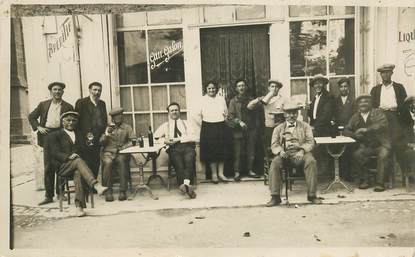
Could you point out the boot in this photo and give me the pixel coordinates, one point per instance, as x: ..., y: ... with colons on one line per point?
x: 108, y: 195
x: 237, y: 177
x: 222, y: 177
x: 122, y: 196
x: 46, y: 201
x: 99, y: 188
x: 275, y: 200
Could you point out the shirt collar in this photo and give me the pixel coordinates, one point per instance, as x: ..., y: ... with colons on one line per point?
x: 388, y: 85
x: 294, y: 123
x: 92, y: 100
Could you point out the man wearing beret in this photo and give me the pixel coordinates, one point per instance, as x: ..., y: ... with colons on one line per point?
x: 117, y: 137
x: 369, y: 127
x: 44, y: 119
x: 389, y: 96
x: 321, y: 113
x: 272, y: 103
x: 343, y: 110
x: 64, y: 150
x: 292, y: 141
x: 92, y: 123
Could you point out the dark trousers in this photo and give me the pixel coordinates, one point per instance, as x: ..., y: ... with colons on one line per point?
x: 267, y: 142
x: 91, y: 155
x: 49, y: 170
x: 118, y: 162
x: 361, y: 157
x: 82, y: 177
x: 183, y: 159
x: 397, y: 141
x: 244, y: 149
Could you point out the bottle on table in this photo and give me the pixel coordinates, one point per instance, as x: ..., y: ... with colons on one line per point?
x: 150, y: 137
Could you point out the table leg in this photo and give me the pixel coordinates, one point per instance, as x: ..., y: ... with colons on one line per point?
x: 337, y: 180
x: 141, y: 186
x: 154, y: 174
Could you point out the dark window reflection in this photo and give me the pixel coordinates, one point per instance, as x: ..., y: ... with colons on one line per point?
x: 132, y: 57
x: 166, y: 55
x: 308, y: 47
x: 341, y: 46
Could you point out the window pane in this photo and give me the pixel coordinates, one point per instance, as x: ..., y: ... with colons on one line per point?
x: 166, y: 55
x: 298, y: 87
x: 132, y: 57
x: 159, y: 98
x: 131, y: 19
x: 125, y: 97
x: 341, y: 46
x: 142, y: 122
x: 178, y: 95
x: 218, y: 14
x: 128, y: 118
x: 159, y: 118
x: 164, y: 17
x: 334, y: 88
x: 307, y: 10
x: 341, y: 10
x: 250, y: 12
x: 141, y: 99
x: 308, y: 47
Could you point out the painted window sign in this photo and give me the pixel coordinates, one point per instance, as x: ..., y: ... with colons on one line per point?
x: 166, y: 59
x: 60, y: 45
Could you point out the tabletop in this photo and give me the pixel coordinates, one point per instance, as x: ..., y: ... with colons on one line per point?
x: 335, y: 140
x: 145, y: 149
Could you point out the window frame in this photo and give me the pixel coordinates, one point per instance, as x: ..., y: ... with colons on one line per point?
x: 330, y: 17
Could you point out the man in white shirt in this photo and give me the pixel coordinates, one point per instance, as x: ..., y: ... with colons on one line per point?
x: 369, y: 127
x: 179, y: 135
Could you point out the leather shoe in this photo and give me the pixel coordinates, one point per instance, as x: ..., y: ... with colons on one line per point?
x: 223, y: 179
x: 46, y: 201
x: 275, y: 200
x: 237, y: 177
x: 379, y: 188
x: 363, y: 185
x: 80, y: 212
x: 190, y: 191
x: 122, y: 196
x: 253, y: 175
x: 314, y: 200
x: 108, y: 196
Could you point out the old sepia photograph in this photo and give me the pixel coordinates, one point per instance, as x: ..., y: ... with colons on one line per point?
x: 229, y: 125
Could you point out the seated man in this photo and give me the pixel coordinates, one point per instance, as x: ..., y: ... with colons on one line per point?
x: 292, y: 142
x: 117, y: 137
x: 369, y: 127
x: 64, y: 150
x: 178, y: 134
x: 408, y: 126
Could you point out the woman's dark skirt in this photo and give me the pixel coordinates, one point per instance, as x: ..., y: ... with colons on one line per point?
x: 212, y: 141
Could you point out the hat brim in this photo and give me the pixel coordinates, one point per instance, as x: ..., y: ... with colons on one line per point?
x: 56, y: 84
x: 69, y: 113
x: 279, y: 84
x: 313, y: 81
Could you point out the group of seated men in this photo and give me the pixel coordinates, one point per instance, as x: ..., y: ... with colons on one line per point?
x: 77, y: 140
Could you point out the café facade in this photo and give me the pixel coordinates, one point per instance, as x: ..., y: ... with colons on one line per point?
x: 147, y: 59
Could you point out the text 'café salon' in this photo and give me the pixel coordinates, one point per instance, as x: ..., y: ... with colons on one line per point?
x: 147, y: 59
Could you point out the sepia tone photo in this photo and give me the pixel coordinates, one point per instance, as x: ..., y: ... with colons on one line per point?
x: 212, y: 126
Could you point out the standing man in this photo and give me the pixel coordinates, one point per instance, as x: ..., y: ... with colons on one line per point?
x: 92, y: 124
x: 44, y: 119
x: 293, y: 150
x: 321, y: 113
x: 343, y: 111
x: 369, y: 127
x: 117, y: 137
x: 179, y: 135
x: 64, y: 151
x: 389, y: 96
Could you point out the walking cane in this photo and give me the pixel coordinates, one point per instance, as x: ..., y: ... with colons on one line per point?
x: 287, y: 164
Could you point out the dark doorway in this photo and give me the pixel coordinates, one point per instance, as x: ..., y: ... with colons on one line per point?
x: 230, y: 53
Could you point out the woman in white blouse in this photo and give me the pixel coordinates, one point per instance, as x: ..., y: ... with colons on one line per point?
x: 213, y: 113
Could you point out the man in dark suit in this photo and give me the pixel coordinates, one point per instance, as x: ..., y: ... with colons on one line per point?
x: 92, y: 124
x: 65, y: 149
x: 44, y: 119
x: 389, y: 96
x: 321, y: 114
x: 343, y: 111
x: 369, y: 127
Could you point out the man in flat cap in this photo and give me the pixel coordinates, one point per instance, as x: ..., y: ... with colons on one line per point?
x: 65, y: 154
x: 44, y: 119
x: 117, y: 137
x: 92, y: 123
x: 179, y: 135
x: 344, y: 108
x: 292, y: 141
x: 321, y: 113
x: 272, y: 104
x: 389, y: 96
x: 369, y: 127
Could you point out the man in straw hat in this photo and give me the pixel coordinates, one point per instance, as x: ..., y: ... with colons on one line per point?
x: 44, y: 119
x: 118, y: 136
x: 389, y: 96
x: 64, y: 150
x: 297, y: 150
x: 369, y: 127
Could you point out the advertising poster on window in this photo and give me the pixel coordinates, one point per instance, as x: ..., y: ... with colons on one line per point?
x: 406, y: 49
x: 60, y: 46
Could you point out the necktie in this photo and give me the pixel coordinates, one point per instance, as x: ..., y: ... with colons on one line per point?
x: 177, y: 132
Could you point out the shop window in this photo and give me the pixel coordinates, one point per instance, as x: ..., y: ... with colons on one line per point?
x: 132, y: 57
x: 164, y: 17
x: 250, y: 12
x: 323, y: 45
